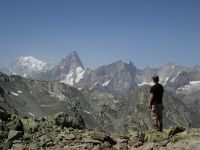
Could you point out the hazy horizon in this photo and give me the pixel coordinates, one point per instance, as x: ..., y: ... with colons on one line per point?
x: 148, y: 33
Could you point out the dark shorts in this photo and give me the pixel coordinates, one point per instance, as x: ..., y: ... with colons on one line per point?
x: 157, y: 111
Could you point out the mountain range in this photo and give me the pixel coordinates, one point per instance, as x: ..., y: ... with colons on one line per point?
x: 107, y: 111
x: 110, y: 97
x: 117, y: 77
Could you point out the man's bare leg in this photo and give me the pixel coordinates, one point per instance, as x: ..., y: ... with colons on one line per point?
x: 155, y: 123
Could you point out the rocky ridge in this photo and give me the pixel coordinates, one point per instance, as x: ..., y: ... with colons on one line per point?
x: 62, y: 132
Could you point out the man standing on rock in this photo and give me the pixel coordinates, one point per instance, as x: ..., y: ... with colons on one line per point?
x: 155, y: 104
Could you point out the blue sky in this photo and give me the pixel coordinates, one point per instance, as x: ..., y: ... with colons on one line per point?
x: 147, y: 32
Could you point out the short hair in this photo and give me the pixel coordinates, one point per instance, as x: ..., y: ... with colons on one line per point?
x: 155, y: 78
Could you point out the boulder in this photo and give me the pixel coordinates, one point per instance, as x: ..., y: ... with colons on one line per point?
x: 14, y: 135
x: 44, y: 140
x: 47, y: 122
x: 18, y: 147
x: 101, y: 136
x: 66, y: 136
x: 64, y: 120
x: 122, y: 146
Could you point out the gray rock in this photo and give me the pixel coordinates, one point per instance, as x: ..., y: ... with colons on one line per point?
x: 14, y: 135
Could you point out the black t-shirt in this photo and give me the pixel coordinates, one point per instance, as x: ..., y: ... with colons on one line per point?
x: 157, y: 90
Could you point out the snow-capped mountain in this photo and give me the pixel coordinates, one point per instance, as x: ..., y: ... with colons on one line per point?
x: 171, y: 76
x: 70, y: 70
x: 31, y: 63
x: 116, y: 77
x: 25, y: 66
x: 119, y: 76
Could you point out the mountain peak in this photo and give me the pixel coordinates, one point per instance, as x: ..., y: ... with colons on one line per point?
x: 72, y: 59
x: 73, y: 53
x: 122, y: 62
x: 25, y: 66
x: 169, y: 65
x: 29, y: 59
x: 31, y: 63
x: 26, y: 58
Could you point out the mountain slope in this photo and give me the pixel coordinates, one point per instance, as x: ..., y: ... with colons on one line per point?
x: 129, y: 110
x: 181, y: 84
x: 34, y: 98
x: 116, y: 77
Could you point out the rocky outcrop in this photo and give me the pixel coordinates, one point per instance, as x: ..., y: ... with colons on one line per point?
x: 43, y: 131
x: 60, y: 132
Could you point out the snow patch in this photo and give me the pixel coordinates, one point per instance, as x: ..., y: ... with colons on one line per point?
x: 106, y: 83
x: 20, y: 92
x: 15, y: 94
x: 32, y: 63
x: 172, y: 80
x: 74, y: 76
x: 79, y: 74
x: 86, y: 111
x: 192, y: 84
x: 31, y: 114
x: 69, y: 79
x: 94, y: 85
x: 165, y: 80
x: 63, y: 100
x: 62, y: 67
x: 46, y: 105
x: 146, y: 83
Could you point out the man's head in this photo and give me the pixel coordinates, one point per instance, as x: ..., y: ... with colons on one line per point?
x: 155, y: 79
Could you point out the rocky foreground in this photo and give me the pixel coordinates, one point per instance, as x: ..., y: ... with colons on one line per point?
x: 63, y: 132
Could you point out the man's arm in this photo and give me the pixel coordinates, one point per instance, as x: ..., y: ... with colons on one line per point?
x: 150, y: 100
